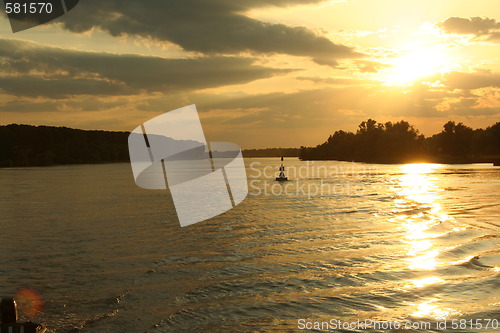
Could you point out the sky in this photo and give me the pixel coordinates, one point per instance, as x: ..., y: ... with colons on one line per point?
x: 273, y: 73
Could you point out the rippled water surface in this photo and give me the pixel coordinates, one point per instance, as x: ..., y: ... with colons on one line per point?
x: 344, y: 241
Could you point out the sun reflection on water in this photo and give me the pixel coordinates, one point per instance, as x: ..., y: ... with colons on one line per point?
x: 429, y: 309
x: 425, y: 282
x: 418, y: 185
x: 418, y: 211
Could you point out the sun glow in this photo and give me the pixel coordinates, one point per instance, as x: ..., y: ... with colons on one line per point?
x: 417, y: 64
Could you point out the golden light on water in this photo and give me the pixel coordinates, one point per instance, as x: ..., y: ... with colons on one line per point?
x: 419, y: 283
x: 417, y: 184
x: 419, y: 168
x: 426, y: 261
x: 429, y: 309
x: 421, y: 217
x: 418, y: 212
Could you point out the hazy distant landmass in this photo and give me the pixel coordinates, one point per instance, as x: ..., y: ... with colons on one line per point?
x: 272, y: 152
x: 400, y: 142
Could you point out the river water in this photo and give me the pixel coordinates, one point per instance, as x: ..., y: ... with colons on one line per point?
x: 339, y: 243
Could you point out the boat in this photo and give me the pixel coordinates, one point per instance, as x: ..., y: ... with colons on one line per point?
x: 282, y: 177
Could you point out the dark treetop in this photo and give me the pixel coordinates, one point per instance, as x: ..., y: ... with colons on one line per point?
x: 400, y: 142
x: 25, y: 145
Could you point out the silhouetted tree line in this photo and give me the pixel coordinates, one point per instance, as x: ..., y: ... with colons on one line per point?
x: 25, y: 145
x: 272, y: 152
x: 400, y: 142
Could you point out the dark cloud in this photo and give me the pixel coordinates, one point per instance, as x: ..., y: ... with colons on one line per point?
x: 311, y: 108
x: 338, y: 81
x: 56, y: 88
x: 366, y: 66
x: 495, y: 36
x: 476, y: 26
x: 29, y: 69
x: 84, y: 103
x: 209, y: 27
x: 468, y: 81
x: 28, y: 106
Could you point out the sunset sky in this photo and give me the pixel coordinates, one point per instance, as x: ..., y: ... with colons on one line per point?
x: 273, y: 73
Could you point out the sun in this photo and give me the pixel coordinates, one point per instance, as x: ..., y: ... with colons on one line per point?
x: 416, y: 64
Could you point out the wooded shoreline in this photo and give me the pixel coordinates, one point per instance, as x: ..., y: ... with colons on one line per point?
x: 27, y: 145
